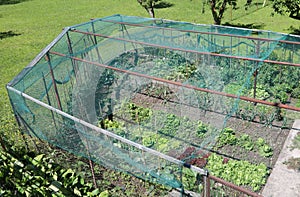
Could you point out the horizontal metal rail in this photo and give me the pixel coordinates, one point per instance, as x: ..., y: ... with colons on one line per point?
x: 233, y: 186
x: 186, y: 50
x: 203, y: 32
x: 110, y: 134
x: 181, y: 84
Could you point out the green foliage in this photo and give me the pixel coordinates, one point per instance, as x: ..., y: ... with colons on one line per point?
x: 298, y: 103
x: 263, y: 148
x: 296, y: 92
x: 138, y: 113
x: 39, y: 176
x: 261, y: 93
x: 189, y: 179
x: 287, y: 6
x: 201, y: 129
x: 152, y: 139
x: 238, y: 172
x: 227, y: 137
x: 246, y: 142
x: 170, y: 125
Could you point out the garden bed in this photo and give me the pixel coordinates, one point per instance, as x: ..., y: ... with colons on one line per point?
x: 197, y: 137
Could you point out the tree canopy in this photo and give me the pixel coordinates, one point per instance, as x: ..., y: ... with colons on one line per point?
x: 291, y: 7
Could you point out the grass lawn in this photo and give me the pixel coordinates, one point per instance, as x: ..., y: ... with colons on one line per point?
x: 27, y: 27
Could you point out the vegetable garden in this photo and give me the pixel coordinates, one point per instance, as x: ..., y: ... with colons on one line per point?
x: 169, y: 102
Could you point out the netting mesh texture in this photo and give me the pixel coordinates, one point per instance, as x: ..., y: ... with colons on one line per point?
x: 146, y: 96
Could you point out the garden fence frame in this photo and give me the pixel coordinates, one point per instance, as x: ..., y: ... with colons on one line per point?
x: 17, y: 95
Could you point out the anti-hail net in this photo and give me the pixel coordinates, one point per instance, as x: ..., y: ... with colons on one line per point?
x: 163, y: 90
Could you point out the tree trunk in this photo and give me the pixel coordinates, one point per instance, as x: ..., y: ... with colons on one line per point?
x: 148, y: 7
x: 265, y: 1
x: 218, y: 15
x: 151, y: 12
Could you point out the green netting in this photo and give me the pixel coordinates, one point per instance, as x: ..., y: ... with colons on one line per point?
x: 149, y: 96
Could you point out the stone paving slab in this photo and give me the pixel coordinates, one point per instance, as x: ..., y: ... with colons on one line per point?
x: 284, y: 182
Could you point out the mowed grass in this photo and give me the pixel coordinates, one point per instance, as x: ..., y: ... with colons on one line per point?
x: 32, y: 24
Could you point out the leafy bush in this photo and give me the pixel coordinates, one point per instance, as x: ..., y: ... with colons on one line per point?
x: 39, y: 176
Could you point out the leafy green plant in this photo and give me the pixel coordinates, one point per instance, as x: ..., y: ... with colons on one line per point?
x: 170, y: 125
x: 263, y: 148
x: 246, y: 142
x: 298, y: 103
x: 189, y: 179
x: 295, y: 92
x: 201, y: 129
x: 260, y: 93
x: 39, y: 176
x: 238, y: 172
x: 227, y: 137
x: 138, y: 113
x: 150, y: 139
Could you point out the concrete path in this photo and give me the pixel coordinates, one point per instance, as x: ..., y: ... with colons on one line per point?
x: 284, y: 182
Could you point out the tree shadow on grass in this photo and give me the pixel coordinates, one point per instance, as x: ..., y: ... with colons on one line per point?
x: 8, y: 34
x: 5, y: 2
x: 294, y: 30
x: 163, y: 4
x: 248, y: 26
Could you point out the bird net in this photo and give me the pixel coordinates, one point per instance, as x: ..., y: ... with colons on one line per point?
x: 150, y: 96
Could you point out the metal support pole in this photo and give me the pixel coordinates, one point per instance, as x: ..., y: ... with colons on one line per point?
x: 95, y: 44
x: 19, y: 125
x: 206, y: 186
x: 48, y: 99
x: 71, y: 53
x: 188, y: 86
x: 93, y: 171
x: 256, y: 71
x: 53, y: 81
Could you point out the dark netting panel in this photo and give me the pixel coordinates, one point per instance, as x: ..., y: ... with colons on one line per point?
x: 151, y: 96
